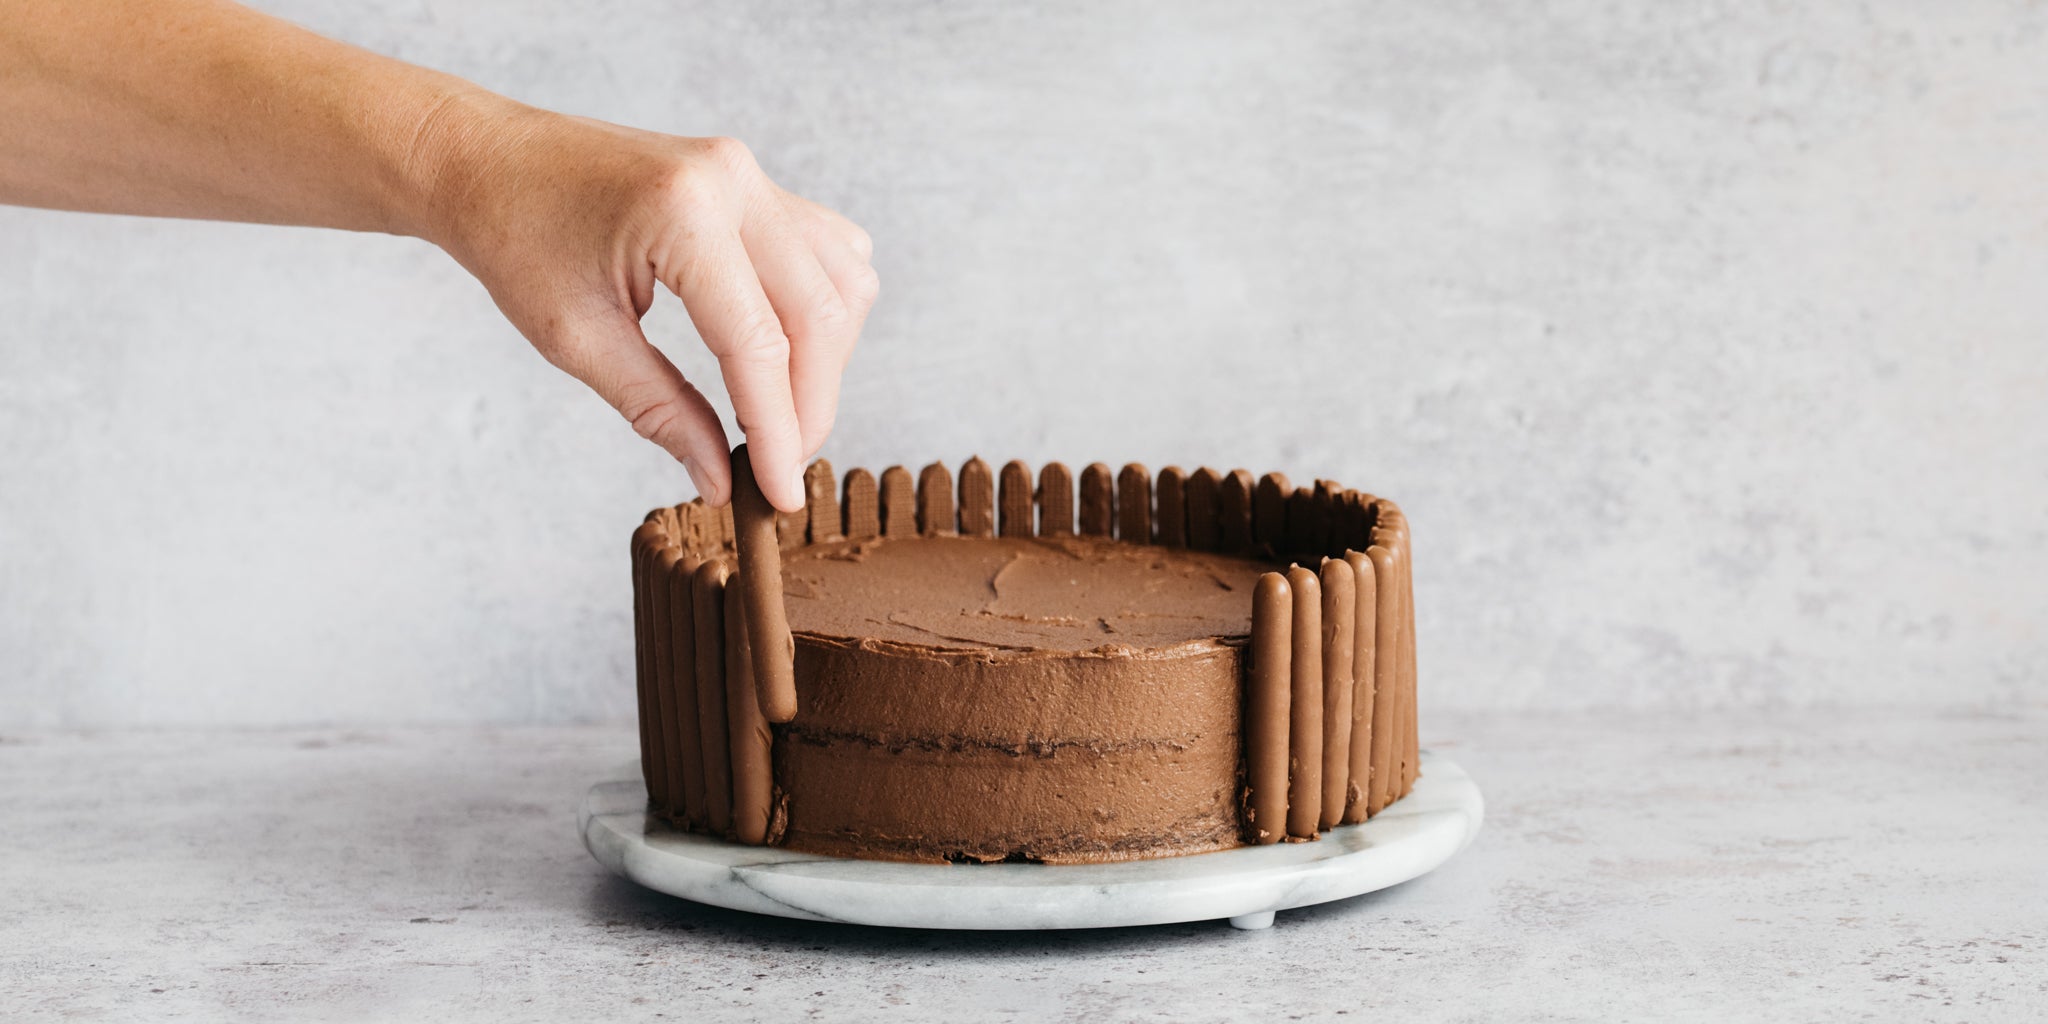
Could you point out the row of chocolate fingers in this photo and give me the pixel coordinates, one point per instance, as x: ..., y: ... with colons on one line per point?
x: 1330, y: 709
x: 1207, y: 510
x: 705, y: 744
x: 1330, y: 695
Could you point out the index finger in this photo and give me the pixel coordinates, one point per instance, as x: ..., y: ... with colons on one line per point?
x: 720, y: 288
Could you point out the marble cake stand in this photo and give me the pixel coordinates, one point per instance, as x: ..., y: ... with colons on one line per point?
x: 1246, y: 885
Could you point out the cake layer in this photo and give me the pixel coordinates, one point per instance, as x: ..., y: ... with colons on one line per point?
x: 1057, y: 700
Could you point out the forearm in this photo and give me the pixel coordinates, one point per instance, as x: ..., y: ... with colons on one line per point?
x: 201, y: 108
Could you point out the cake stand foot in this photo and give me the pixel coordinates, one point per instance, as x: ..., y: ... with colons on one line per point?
x: 1253, y: 922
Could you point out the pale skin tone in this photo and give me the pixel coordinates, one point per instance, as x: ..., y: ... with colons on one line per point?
x: 201, y: 108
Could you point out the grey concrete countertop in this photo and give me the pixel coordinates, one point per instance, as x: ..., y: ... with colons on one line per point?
x: 1792, y: 866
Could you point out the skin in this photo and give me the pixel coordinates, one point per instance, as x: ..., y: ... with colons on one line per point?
x: 201, y: 108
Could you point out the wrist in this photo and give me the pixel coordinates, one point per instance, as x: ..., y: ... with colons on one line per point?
x: 458, y: 140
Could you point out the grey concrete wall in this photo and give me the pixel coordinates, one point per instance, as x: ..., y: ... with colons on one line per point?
x: 1703, y: 343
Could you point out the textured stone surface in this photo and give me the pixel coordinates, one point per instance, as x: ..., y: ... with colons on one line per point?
x: 1701, y: 342
x: 1807, y: 866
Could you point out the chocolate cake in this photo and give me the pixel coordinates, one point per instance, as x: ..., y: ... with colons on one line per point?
x: 987, y: 672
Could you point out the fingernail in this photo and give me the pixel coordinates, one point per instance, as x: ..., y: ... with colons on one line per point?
x: 803, y: 496
x: 697, y: 479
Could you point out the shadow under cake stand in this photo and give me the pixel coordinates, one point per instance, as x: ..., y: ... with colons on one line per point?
x: 1245, y: 885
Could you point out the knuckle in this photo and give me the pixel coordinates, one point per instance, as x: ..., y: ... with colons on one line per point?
x: 861, y: 242
x: 730, y: 153
x: 653, y: 420
x: 693, y: 193
x: 863, y: 285
x: 831, y: 315
x: 757, y: 339
x: 564, y: 350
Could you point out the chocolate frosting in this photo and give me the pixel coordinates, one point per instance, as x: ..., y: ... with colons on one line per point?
x: 1001, y: 598
x: 1058, y: 699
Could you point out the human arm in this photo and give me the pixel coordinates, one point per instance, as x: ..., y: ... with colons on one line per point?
x: 207, y: 109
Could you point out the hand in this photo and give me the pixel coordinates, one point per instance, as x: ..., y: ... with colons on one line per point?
x: 571, y: 222
x: 204, y: 108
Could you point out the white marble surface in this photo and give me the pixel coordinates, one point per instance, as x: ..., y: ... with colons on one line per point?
x: 1243, y: 886
x: 1793, y: 866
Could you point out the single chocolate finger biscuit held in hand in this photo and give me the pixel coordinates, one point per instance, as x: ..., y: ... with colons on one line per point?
x: 760, y: 582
